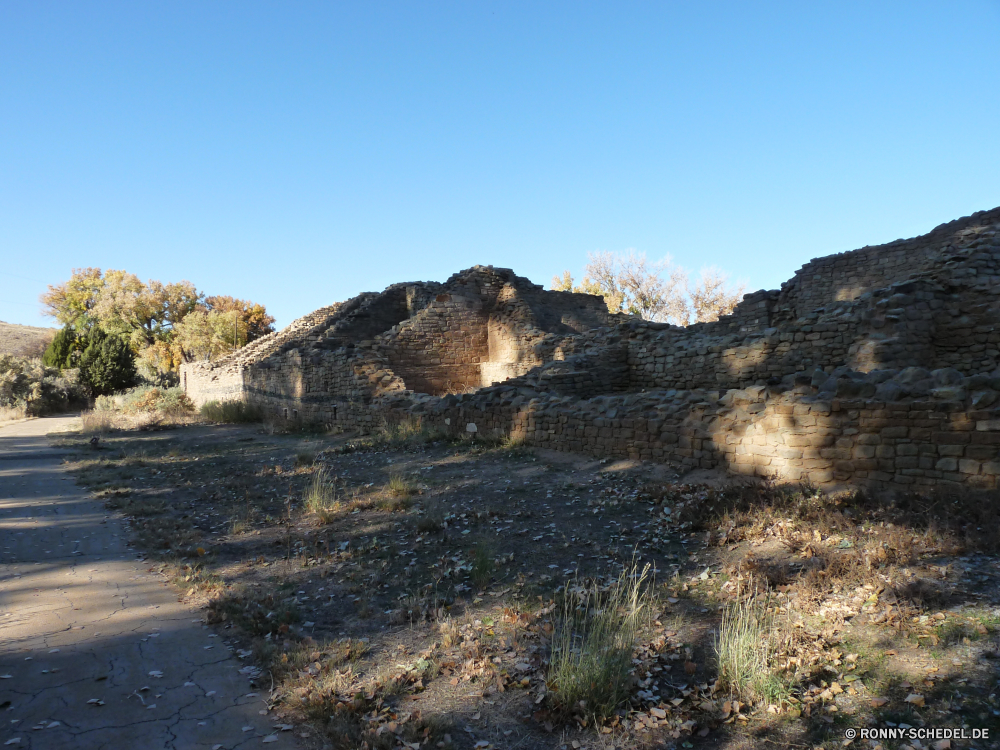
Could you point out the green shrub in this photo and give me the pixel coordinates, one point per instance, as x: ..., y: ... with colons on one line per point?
x: 107, y: 364
x: 61, y: 350
x: 232, y: 412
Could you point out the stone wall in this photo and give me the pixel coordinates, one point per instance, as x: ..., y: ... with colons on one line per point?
x: 440, y: 350
x: 846, y: 276
x: 204, y: 382
x: 878, y: 367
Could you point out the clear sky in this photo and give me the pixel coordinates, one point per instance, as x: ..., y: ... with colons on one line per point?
x: 299, y: 153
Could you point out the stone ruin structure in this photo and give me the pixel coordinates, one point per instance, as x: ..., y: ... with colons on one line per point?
x: 876, y: 367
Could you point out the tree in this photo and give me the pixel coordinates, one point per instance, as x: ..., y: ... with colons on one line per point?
x: 251, y: 317
x: 64, y: 345
x: 107, y: 364
x: 142, y: 313
x: 658, y: 291
x: 712, y: 297
x: 71, y: 302
x: 149, y: 316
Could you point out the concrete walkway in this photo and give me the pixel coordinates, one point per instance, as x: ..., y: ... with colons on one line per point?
x: 96, y: 652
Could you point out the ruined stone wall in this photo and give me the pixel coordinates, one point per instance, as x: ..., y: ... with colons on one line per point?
x: 944, y: 316
x: 204, y: 381
x: 440, y: 349
x: 801, y: 434
x: 897, y: 385
x: 846, y: 276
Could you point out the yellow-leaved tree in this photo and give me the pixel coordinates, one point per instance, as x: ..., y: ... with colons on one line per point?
x: 164, y: 324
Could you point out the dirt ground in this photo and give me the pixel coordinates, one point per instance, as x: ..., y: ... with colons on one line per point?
x: 416, y: 607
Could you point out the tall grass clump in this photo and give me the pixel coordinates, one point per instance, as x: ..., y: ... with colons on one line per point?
x: 483, y: 565
x: 516, y: 444
x: 321, y: 497
x: 593, y: 643
x: 232, y: 412
x: 744, y: 646
x: 98, y: 422
x: 409, y: 431
x: 400, y: 486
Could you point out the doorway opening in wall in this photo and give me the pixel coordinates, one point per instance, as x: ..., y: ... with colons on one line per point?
x: 295, y: 413
x: 286, y: 413
x: 335, y: 414
x: 185, y: 378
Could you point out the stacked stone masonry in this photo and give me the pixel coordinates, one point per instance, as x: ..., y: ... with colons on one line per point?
x: 878, y: 367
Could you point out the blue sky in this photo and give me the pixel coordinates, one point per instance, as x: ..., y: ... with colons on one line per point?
x: 299, y: 153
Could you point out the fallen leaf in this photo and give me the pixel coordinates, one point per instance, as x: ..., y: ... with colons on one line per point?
x: 878, y: 702
x: 916, y: 699
x: 271, y: 738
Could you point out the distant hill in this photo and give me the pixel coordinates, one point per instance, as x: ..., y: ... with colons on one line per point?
x: 24, y: 341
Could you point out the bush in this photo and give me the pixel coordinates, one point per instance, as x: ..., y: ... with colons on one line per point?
x: 29, y: 387
x: 593, y: 642
x: 232, y: 412
x: 140, y: 408
x: 60, y: 351
x: 146, y: 399
x: 107, y: 364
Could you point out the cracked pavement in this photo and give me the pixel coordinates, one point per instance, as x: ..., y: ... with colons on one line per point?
x: 95, y: 650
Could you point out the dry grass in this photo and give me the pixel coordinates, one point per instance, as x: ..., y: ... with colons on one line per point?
x: 458, y: 598
x: 11, y: 413
x: 400, y: 486
x: 24, y: 341
x: 593, y: 643
x: 102, y: 422
x: 232, y: 412
x: 745, y: 645
x: 99, y: 422
x: 141, y: 408
x: 483, y: 565
x: 320, y: 497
